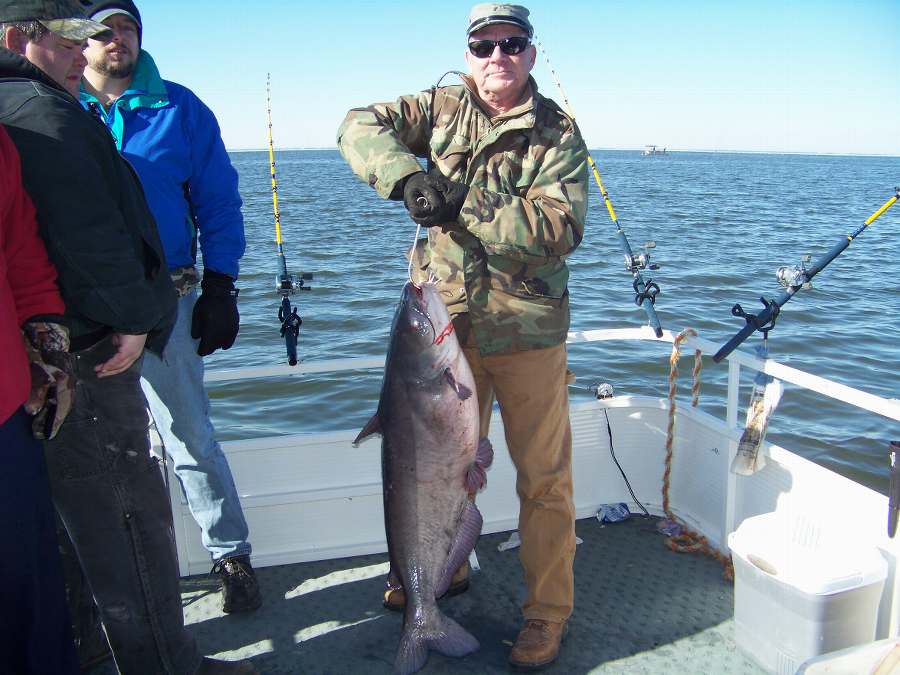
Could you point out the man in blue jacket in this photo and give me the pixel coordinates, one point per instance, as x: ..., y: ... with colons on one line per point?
x: 173, y: 141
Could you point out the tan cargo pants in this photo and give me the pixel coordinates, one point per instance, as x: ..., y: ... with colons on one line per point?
x: 531, y: 389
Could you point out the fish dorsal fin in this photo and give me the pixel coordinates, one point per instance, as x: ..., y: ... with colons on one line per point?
x: 373, y: 426
x: 461, y: 390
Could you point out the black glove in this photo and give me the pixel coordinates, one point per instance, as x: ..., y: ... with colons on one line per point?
x: 215, y: 320
x: 452, y: 197
x: 52, y: 380
x: 420, y: 198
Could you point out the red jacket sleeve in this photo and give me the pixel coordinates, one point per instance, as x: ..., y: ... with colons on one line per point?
x: 31, y: 277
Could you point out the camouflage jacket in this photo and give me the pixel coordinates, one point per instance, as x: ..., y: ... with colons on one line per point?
x: 503, y: 261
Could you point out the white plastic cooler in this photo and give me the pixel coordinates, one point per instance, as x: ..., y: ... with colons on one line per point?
x: 798, y: 594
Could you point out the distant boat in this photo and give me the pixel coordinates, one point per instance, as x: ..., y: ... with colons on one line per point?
x: 650, y: 150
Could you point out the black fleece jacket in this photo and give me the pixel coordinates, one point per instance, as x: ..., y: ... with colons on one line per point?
x: 91, y: 209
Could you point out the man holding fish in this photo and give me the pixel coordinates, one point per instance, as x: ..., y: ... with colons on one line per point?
x: 505, y: 201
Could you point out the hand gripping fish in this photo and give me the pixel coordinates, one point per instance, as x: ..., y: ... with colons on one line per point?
x: 431, y: 459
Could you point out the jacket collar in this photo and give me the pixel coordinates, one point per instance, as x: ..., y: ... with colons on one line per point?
x: 146, y: 90
x: 526, y: 106
x: 147, y: 82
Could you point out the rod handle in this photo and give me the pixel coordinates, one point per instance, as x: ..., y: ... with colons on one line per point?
x: 651, y: 317
x: 290, y: 343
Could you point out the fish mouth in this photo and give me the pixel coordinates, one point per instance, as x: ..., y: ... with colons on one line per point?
x: 419, y: 321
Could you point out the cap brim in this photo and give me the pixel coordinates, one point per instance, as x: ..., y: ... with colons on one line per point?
x: 104, y: 14
x: 74, y: 29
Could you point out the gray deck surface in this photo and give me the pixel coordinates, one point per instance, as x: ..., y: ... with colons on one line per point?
x: 639, y: 608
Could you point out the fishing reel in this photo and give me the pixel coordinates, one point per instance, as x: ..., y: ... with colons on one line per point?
x: 641, y: 261
x: 602, y: 390
x: 288, y: 284
x: 636, y: 263
x: 796, y: 276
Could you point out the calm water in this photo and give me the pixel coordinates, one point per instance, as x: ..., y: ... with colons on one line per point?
x: 723, y: 224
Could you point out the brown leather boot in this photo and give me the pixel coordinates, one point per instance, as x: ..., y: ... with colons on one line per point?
x: 395, y: 598
x: 538, y: 644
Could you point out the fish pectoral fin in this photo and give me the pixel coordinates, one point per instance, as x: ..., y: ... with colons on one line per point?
x: 461, y: 390
x: 373, y: 426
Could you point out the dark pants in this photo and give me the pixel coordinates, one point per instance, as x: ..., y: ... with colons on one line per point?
x: 35, y: 634
x: 110, y: 495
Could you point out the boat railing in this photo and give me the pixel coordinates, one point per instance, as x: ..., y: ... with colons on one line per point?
x: 889, y: 408
x: 739, y: 496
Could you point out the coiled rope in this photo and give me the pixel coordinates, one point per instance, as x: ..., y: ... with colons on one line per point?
x: 687, y: 541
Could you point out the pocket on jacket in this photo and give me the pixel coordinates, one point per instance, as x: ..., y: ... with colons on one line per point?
x: 453, y: 160
x: 529, y: 280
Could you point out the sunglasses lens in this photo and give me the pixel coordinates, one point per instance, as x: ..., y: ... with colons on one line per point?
x: 509, y: 46
x: 482, y: 48
x: 513, y: 45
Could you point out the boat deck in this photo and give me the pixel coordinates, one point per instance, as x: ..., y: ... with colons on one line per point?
x: 640, y: 608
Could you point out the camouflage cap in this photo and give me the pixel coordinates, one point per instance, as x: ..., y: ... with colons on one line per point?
x: 489, y: 13
x: 66, y: 18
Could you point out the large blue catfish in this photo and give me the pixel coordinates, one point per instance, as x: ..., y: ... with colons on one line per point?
x: 431, y: 458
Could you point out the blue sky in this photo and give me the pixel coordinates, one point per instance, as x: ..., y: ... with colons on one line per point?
x: 787, y: 76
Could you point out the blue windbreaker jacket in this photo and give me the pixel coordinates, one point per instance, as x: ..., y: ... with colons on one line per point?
x: 173, y: 141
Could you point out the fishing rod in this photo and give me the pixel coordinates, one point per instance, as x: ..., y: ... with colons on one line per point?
x: 793, y: 279
x: 894, y: 490
x: 286, y: 284
x: 645, y: 290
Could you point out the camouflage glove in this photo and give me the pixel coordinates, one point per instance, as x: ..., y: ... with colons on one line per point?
x: 215, y: 321
x: 52, y: 380
x: 452, y: 196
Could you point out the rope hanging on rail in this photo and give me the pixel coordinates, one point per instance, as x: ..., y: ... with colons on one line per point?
x: 687, y: 541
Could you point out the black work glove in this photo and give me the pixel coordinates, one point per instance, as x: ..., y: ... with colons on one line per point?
x: 452, y: 196
x: 52, y: 380
x: 215, y: 320
x: 420, y: 198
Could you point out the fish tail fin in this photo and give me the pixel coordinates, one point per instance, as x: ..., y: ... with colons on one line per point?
x: 451, y: 639
x: 412, y: 652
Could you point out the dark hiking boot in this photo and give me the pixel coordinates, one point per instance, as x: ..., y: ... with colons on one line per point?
x: 215, y: 667
x: 240, y: 589
x: 538, y: 644
x: 395, y: 597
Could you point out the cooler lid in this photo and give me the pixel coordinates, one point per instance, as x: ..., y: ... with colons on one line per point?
x: 800, y: 553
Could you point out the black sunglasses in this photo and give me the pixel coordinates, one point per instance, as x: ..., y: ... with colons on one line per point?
x: 509, y: 46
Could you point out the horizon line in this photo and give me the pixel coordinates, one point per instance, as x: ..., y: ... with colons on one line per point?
x: 305, y: 148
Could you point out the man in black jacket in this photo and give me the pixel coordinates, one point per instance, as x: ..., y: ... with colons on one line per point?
x: 119, y: 298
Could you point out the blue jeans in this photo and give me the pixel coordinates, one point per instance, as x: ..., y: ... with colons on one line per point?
x: 179, y: 404
x: 110, y: 495
x: 35, y: 631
